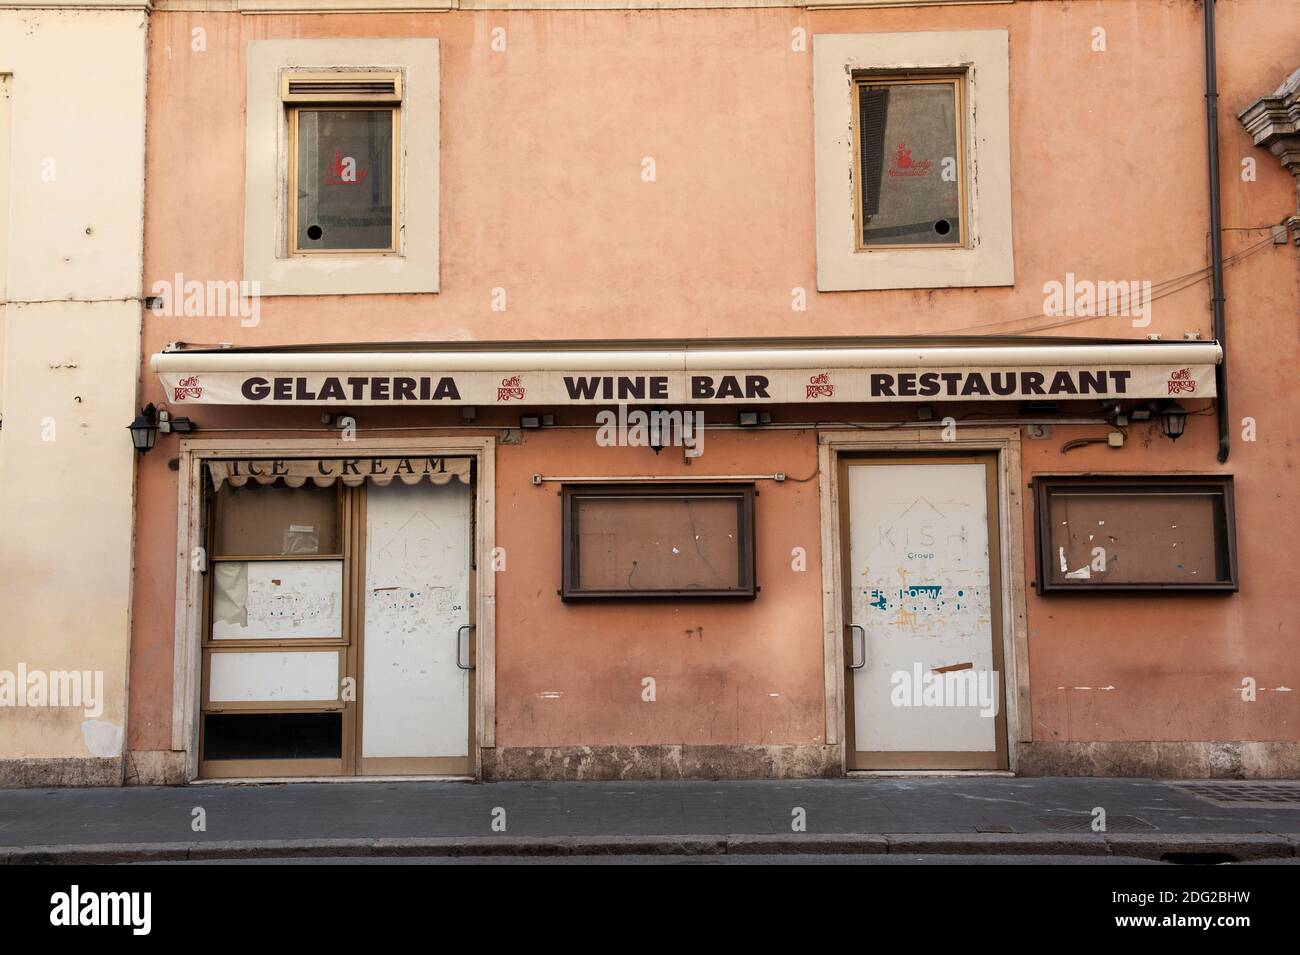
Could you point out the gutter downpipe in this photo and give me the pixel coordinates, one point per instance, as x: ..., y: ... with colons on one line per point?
x: 1216, y: 229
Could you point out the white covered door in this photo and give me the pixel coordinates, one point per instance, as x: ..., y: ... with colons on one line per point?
x: 923, y: 645
x: 416, y: 686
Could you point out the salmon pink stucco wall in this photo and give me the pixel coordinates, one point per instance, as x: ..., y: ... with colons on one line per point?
x: 724, y: 671
x: 542, y: 149
x: 542, y: 195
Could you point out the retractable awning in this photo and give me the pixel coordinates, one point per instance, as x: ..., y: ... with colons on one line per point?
x: 705, y: 374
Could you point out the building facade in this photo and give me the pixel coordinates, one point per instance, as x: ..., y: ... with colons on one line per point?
x: 72, y: 109
x: 740, y: 390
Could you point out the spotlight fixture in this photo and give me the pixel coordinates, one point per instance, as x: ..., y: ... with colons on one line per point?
x: 1041, y: 407
x: 167, y: 424
x: 531, y: 422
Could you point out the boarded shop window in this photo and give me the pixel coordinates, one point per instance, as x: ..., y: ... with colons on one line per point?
x: 278, y: 626
x: 273, y: 520
x: 272, y: 736
x: 1117, y: 533
x: 343, y: 149
x: 639, y: 541
x: 277, y: 599
x: 910, y: 167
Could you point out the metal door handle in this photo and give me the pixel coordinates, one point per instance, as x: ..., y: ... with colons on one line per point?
x: 459, y: 631
x: 852, y: 628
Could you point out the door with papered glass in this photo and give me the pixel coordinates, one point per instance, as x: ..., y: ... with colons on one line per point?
x: 417, y: 641
x: 923, y: 613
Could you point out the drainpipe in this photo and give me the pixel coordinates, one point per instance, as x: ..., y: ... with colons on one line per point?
x: 1216, y: 228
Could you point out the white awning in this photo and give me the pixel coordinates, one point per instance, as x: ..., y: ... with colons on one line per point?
x: 687, y: 375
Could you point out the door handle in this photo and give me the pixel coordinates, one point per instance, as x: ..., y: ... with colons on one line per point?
x: 852, y: 646
x: 459, y: 642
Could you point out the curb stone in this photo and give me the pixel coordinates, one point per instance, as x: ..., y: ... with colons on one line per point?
x: 95, y: 854
x: 1241, y: 847
x: 542, y: 846
x: 997, y: 843
x: 789, y: 843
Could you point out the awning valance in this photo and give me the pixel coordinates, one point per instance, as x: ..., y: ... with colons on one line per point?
x: 692, y: 376
x: 295, y: 472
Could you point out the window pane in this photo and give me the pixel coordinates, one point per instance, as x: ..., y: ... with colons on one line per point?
x: 907, y: 135
x: 262, y: 520
x: 277, y: 599
x: 345, y: 179
x: 273, y: 736
x: 658, y: 543
x: 1137, y: 537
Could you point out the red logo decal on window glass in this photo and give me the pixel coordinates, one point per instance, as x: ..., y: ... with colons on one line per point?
x: 344, y: 171
x: 904, y: 165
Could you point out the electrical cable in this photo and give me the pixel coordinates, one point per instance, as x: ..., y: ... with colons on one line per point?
x: 1167, y: 287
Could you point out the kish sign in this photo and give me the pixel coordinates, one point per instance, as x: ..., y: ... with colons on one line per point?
x: 773, y: 386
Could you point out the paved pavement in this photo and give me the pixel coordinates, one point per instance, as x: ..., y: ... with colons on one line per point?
x: 861, y: 815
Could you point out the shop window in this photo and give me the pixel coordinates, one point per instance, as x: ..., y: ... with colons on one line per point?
x: 272, y: 736
x: 279, y: 627
x: 343, y: 161
x: 1121, y: 533
x: 266, y: 520
x: 678, y: 541
x: 911, y: 182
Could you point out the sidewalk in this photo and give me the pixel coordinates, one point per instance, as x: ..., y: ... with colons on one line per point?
x: 1145, y: 818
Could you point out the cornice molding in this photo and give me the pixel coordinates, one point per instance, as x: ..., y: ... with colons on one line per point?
x: 58, y: 5
x: 1274, y: 123
x: 255, y: 7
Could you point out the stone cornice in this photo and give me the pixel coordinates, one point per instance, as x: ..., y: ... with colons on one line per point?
x: 56, y: 5
x: 252, y: 7
x: 1274, y: 123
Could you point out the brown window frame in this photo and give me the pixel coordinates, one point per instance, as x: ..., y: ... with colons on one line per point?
x: 1045, y: 484
x: 747, y: 588
x: 346, y: 97
x: 957, y: 80
x: 345, y: 645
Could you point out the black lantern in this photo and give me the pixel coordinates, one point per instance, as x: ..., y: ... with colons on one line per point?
x: 1174, y: 419
x: 144, y: 429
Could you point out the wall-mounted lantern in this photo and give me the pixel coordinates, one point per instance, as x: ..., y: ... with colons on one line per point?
x: 144, y: 429
x: 1173, y: 421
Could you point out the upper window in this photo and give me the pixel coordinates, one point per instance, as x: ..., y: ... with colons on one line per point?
x: 344, y: 176
x: 1135, y: 533
x: 341, y: 166
x: 912, y: 144
x: 911, y: 172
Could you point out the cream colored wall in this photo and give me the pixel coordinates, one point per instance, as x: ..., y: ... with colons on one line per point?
x: 71, y: 322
